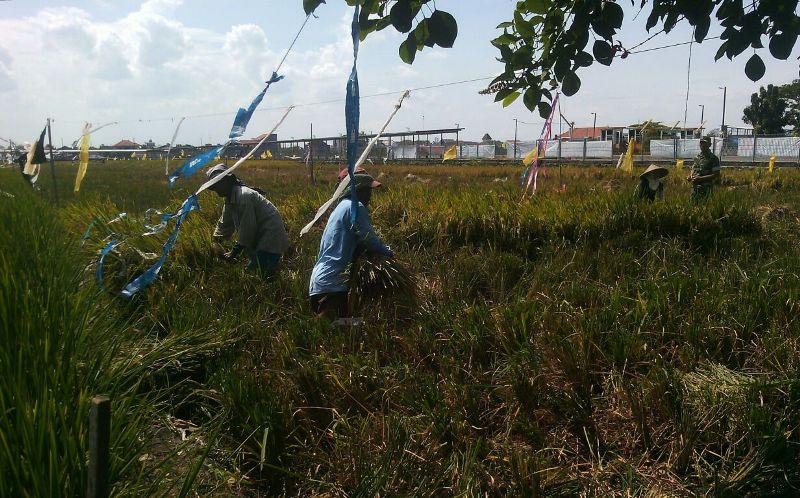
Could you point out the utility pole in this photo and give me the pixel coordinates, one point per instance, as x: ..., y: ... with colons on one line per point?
x: 594, y: 123
x: 702, y: 115
x: 515, y: 138
x: 724, y: 98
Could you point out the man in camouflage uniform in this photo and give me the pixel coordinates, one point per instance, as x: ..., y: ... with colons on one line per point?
x: 705, y: 171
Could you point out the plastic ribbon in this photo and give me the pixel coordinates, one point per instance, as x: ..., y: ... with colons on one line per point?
x: 171, y: 143
x: 533, y: 172
x: 146, y: 278
x: 352, y: 114
x: 243, y: 115
x: 194, y: 163
x: 98, y: 274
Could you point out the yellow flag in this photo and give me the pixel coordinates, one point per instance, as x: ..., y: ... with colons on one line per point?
x: 84, y: 157
x: 527, y: 160
x: 133, y: 155
x: 772, y: 164
x: 627, y: 163
x: 268, y: 155
x: 679, y: 164
x: 451, y: 153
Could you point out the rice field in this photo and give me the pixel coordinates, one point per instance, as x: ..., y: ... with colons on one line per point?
x: 578, y: 343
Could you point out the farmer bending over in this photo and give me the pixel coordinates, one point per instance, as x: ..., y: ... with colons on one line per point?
x: 256, y: 221
x: 340, y: 245
x: 650, y: 184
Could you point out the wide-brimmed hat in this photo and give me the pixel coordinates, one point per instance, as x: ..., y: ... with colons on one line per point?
x: 658, y: 172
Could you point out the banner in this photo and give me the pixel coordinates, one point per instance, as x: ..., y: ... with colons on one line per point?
x: 451, y: 153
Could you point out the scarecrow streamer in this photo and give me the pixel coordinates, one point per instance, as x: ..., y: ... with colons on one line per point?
x: 352, y: 114
x: 346, y: 182
x: 532, y: 159
x: 33, y: 160
x: 84, y: 156
x: 240, y: 123
x: 171, y: 143
x: 451, y: 153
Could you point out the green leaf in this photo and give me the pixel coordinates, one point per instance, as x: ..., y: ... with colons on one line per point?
x: 570, y: 84
x: 536, y: 6
x: 510, y: 99
x: 701, y: 29
x: 602, y: 52
x: 505, y: 25
x: 522, y: 26
x: 755, y: 69
x: 532, y: 97
x: 408, y: 49
x: 311, y: 5
x: 402, y: 16
x: 781, y: 45
x: 444, y: 28
x: 422, y: 33
x: 545, y: 109
x: 583, y: 59
x: 612, y: 14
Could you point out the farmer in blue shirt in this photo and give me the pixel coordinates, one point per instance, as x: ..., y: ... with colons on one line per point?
x: 340, y: 243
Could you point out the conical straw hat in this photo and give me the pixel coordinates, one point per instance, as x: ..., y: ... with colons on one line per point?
x: 658, y: 172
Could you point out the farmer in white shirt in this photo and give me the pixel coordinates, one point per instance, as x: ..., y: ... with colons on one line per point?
x: 260, y: 231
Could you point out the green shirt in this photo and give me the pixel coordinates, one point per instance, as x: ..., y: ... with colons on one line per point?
x: 705, y: 164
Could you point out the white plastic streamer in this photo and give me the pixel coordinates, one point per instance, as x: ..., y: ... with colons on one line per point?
x: 346, y: 182
x: 238, y: 163
x: 171, y: 142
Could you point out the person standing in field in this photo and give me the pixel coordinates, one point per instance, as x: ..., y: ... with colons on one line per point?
x: 258, y: 225
x: 340, y: 245
x: 705, y: 171
x: 650, y: 184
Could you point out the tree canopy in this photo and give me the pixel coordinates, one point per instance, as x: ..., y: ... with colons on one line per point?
x: 546, y: 43
x: 773, y: 108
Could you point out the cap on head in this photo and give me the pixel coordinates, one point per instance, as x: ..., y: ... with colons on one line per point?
x: 363, y: 180
x: 343, y: 172
x: 705, y: 140
x: 216, y: 170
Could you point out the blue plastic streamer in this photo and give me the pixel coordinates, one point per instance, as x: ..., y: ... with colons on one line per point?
x: 243, y: 115
x: 146, y: 278
x: 98, y: 274
x: 188, y: 168
x: 352, y: 113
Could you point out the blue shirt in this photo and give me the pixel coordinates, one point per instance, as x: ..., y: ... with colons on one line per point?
x: 339, y: 243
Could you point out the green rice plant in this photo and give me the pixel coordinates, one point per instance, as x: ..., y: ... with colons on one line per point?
x: 381, y: 286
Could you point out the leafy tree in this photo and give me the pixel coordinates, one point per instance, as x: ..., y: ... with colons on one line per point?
x: 791, y: 93
x: 546, y: 43
x: 767, y: 111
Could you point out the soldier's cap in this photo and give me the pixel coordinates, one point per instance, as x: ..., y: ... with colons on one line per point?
x: 705, y: 140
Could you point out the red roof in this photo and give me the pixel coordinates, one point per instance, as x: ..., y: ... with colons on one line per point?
x: 580, y: 133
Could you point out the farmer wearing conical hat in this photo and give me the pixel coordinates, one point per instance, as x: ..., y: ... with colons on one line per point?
x: 340, y: 244
x: 705, y: 171
x: 650, y: 184
x: 259, y: 228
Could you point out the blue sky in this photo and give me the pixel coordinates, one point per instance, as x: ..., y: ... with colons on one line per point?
x: 146, y: 64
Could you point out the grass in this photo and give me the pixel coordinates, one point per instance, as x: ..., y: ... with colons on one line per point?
x: 578, y: 343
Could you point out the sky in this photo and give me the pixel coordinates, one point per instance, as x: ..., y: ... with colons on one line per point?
x: 147, y: 64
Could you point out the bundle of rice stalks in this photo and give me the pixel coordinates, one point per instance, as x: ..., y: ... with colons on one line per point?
x: 380, y: 286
